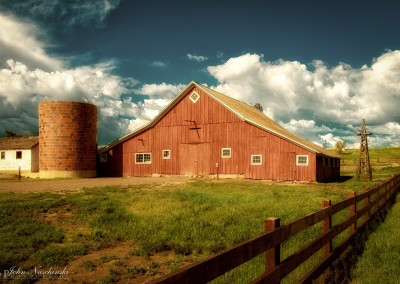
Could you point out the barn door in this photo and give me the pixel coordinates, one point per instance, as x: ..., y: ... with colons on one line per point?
x: 194, y: 159
x: 289, y: 163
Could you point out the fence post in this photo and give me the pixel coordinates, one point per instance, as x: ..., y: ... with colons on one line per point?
x: 273, y: 255
x: 367, y: 202
x: 376, y: 198
x: 387, y: 189
x: 326, y: 226
x: 353, y: 210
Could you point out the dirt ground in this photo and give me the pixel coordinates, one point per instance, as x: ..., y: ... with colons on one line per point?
x: 10, y: 184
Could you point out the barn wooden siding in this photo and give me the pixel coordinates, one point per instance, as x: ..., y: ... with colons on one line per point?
x: 195, y: 133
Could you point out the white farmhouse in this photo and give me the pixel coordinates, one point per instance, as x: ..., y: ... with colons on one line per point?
x: 16, y: 152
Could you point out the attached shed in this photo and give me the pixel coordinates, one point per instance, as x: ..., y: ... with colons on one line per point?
x: 19, y: 152
x: 203, y: 132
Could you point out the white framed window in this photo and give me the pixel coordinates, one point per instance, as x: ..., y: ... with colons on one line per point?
x: 142, y: 158
x: 226, y: 152
x: 194, y: 97
x: 3, y: 155
x: 166, y: 154
x: 256, y: 160
x: 103, y: 158
x: 301, y: 160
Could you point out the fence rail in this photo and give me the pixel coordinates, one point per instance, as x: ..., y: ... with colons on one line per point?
x: 269, y: 243
x: 347, y: 162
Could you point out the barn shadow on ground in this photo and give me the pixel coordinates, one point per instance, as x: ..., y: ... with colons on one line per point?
x: 339, y: 179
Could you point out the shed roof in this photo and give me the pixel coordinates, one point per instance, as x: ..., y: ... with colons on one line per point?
x: 244, y: 111
x: 18, y: 143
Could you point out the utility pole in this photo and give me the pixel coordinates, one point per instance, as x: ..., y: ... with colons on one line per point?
x: 364, y: 167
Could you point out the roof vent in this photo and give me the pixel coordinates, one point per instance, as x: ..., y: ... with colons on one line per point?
x: 259, y: 107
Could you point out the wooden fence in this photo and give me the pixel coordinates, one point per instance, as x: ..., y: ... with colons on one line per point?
x: 269, y: 243
x: 345, y: 162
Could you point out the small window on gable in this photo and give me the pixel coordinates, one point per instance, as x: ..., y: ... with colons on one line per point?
x: 226, y: 152
x: 194, y: 97
x: 142, y: 158
x: 301, y: 160
x: 3, y: 155
x: 256, y: 160
x: 103, y: 158
x: 166, y: 154
x: 19, y: 155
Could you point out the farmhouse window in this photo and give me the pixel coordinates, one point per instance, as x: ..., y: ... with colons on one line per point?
x: 301, y: 160
x: 142, y: 158
x: 194, y: 97
x: 3, y: 155
x: 103, y: 158
x: 256, y: 159
x: 166, y: 154
x: 226, y: 152
x: 19, y: 155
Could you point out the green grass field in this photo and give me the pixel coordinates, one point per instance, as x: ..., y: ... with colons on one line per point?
x: 380, y: 261
x: 192, y: 220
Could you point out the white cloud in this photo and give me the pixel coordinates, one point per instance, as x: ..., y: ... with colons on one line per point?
x: 329, y: 139
x: 161, y: 90
x: 341, y: 95
x: 23, y: 41
x: 158, y: 64
x: 198, y: 58
x: 28, y: 75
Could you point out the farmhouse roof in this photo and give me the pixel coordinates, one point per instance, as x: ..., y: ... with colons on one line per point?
x: 245, y: 112
x: 17, y: 143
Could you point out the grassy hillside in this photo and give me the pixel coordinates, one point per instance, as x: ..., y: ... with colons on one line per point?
x: 384, y: 153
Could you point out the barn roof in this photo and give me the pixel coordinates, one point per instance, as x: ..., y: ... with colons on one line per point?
x: 242, y: 110
x: 18, y: 143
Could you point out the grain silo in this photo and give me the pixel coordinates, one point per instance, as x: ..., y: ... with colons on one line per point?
x: 67, y: 139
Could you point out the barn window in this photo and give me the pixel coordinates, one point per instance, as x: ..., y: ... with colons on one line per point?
x: 329, y: 162
x: 103, y: 158
x: 338, y: 163
x: 3, y: 155
x: 256, y: 159
x: 194, y: 97
x: 301, y: 160
x: 166, y: 154
x: 226, y: 152
x: 142, y: 158
x: 19, y: 155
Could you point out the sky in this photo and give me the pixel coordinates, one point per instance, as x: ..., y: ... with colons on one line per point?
x: 317, y: 67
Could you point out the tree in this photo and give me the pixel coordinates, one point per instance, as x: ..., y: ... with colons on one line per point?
x: 11, y: 134
x: 339, y: 146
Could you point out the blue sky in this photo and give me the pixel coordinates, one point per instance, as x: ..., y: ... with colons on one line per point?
x: 317, y: 67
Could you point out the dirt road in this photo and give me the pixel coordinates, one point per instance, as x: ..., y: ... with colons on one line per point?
x: 77, y: 184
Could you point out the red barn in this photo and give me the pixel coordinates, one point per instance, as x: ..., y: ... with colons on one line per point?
x: 203, y: 132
